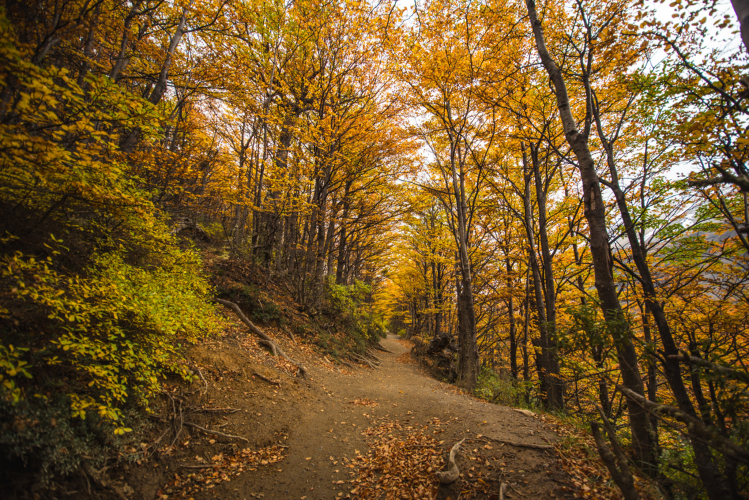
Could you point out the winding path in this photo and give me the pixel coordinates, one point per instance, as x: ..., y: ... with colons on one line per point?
x: 328, y: 427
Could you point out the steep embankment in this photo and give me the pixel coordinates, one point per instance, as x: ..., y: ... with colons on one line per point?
x: 343, y: 434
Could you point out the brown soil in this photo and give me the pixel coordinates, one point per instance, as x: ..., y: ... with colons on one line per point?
x: 326, y: 430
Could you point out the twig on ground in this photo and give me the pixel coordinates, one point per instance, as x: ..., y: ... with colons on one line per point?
x: 215, y: 433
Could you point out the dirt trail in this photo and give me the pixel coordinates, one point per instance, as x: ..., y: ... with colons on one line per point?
x: 324, y: 431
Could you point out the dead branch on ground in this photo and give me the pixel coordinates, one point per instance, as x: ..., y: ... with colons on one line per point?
x: 452, y: 473
x: 215, y: 433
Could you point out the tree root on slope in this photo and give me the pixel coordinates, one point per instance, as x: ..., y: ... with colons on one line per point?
x: 379, y: 347
x: 452, y: 473
x: 269, y: 380
x: 544, y: 447
x: 362, y: 359
x: 265, y: 338
x: 346, y: 363
x: 372, y: 355
x: 215, y: 433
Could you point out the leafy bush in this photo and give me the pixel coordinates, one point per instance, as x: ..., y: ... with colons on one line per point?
x: 86, y: 335
x: 501, y: 389
x: 102, y: 342
x: 116, y: 328
x: 349, y: 302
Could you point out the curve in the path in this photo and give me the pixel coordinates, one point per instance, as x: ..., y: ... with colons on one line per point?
x: 329, y: 428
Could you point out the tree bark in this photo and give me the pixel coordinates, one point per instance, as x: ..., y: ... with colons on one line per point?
x: 555, y: 386
x: 705, y: 462
x: 595, y: 215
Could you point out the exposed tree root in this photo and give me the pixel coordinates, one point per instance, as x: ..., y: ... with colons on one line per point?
x: 452, y: 473
x: 215, y: 433
x: 364, y: 360
x: 197, y: 409
x: 372, y: 355
x: 265, y: 338
x: 520, y: 445
x: 273, y: 347
x: 379, y: 347
x: 98, y: 477
x: 203, y: 379
x: 269, y: 380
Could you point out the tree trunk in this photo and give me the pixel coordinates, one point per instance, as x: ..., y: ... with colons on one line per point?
x: 554, y: 385
x: 595, y: 215
x: 705, y: 462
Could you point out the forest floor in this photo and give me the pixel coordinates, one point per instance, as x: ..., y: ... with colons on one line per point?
x: 364, y: 433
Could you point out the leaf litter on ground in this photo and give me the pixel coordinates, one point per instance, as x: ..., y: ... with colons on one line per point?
x: 221, y: 469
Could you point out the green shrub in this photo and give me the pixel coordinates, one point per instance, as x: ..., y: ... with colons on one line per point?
x: 80, y: 349
x: 501, y: 389
x: 349, y: 302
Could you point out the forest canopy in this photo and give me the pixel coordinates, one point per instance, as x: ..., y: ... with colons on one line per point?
x: 551, y: 197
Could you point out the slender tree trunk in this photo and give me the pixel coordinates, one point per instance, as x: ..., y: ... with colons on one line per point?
x: 160, y: 86
x: 705, y: 461
x: 271, y: 226
x: 595, y: 215
x: 554, y: 384
x: 121, y: 61
x: 542, y: 358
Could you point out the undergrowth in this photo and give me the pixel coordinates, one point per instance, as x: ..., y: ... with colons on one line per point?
x: 93, y: 317
x: 504, y: 390
x: 349, y: 306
